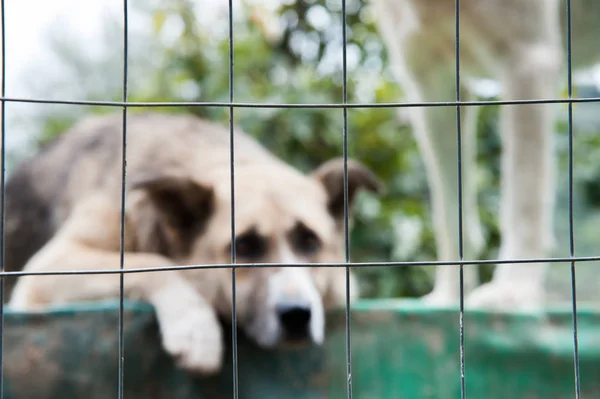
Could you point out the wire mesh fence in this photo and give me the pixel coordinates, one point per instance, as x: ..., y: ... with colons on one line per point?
x: 344, y: 106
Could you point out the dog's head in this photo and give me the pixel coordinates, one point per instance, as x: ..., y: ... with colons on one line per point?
x: 282, y: 217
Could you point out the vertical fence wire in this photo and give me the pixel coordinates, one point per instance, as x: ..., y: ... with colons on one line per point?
x: 346, y: 230
x: 463, y: 393
x: 233, y: 240
x: 571, y: 219
x: 123, y: 191
x: 3, y: 195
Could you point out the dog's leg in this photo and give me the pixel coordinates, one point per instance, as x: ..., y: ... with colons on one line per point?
x: 528, y: 177
x: 474, y: 240
x: 434, y: 130
x: 188, y: 323
x: 438, y: 139
x: 426, y: 73
x: 442, y: 171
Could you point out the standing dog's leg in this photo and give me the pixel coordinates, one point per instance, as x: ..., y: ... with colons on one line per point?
x: 427, y: 73
x: 435, y: 130
x: 531, y: 72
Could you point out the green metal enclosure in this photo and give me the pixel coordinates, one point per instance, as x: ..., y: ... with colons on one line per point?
x: 400, y: 349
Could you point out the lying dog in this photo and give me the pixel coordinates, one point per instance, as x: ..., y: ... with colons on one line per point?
x: 518, y: 42
x: 178, y: 213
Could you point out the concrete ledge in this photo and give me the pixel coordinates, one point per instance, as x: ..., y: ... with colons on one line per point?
x: 400, y: 349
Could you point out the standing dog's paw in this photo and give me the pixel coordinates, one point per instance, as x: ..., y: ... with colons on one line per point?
x: 505, y: 296
x: 195, y: 340
x: 440, y: 298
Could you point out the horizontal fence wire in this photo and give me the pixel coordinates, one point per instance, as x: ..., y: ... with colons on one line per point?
x: 284, y: 265
x: 224, y: 104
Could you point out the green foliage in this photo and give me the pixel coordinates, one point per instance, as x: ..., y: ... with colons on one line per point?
x: 182, y: 59
x: 268, y: 68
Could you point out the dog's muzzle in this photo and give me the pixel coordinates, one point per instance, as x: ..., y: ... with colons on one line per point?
x: 295, y: 321
x: 292, y: 312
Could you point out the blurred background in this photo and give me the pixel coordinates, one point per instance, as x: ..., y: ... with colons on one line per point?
x: 286, y: 51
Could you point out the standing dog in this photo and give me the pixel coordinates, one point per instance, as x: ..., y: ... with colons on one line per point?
x: 66, y: 201
x: 521, y: 43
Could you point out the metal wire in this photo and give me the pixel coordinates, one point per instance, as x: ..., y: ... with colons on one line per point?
x: 461, y: 281
x: 123, y: 191
x: 283, y: 265
x: 233, y: 240
x: 3, y: 194
x: 124, y: 104
x: 220, y: 104
x: 346, y: 233
x: 571, y: 219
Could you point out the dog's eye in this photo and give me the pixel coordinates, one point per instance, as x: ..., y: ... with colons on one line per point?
x: 250, y: 246
x: 305, y: 240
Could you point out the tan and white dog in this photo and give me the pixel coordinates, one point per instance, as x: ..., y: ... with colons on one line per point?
x: 63, y: 213
x: 521, y: 43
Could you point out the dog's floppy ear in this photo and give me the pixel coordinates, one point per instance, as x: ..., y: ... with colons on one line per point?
x: 331, y: 175
x: 183, y: 202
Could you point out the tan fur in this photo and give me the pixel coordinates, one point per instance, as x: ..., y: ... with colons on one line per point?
x: 518, y: 42
x: 178, y: 213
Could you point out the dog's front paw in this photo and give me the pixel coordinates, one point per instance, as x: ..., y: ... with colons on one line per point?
x: 195, y: 340
x: 505, y: 296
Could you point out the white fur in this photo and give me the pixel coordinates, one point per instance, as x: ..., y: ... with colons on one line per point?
x: 189, y: 327
x: 288, y: 284
x: 519, y: 43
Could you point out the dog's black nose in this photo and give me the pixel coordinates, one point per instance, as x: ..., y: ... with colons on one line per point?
x: 295, y: 321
